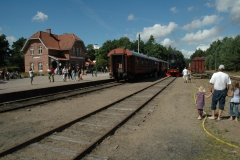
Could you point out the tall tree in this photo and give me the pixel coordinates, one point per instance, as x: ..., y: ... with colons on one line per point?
x: 90, y: 52
x: 17, y: 57
x: 4, y: 50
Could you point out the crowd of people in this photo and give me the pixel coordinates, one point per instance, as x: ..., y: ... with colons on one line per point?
x: 220, y: 83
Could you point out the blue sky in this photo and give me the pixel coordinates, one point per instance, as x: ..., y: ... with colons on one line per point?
x: 185, y: 24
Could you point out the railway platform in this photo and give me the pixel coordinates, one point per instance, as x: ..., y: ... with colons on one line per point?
x: 21, y: 88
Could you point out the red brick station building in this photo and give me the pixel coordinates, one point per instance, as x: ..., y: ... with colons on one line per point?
x: 44, y: 49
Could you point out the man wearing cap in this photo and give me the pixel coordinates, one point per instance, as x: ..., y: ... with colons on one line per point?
x: 220, y: 83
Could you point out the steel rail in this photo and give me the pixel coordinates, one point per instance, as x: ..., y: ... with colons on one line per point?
x: 6, y: 107
x: 66, y: 125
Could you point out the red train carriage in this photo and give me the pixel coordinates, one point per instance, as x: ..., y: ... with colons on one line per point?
x: 126, y: 64
x: 197, y: 65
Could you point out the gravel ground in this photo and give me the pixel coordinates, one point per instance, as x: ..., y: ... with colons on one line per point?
x: 166, y: 129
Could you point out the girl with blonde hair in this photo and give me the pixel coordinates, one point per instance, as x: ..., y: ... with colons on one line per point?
x: 235, y: 100
x: 200, y: 101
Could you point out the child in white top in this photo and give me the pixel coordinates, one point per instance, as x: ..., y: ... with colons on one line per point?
x: 235, y: 100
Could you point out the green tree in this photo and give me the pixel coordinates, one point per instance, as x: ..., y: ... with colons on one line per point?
x: 4, y: 50
x: 90, y: 53
x: 17, y: 57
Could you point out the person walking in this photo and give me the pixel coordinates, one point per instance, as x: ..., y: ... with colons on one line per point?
x: 69, y: 73
x: 52, y: 73
x: 74, y: 75
x: 64, y: 72
x: 200, y: 101
x: 185, y: 75
x: 220, y: 82
x: 49, y: 74
x: 92, y: 71
x: 78, y: 72
x: 31, y: 75
x: 235, y: 100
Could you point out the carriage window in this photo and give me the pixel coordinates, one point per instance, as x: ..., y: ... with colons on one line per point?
x: 137, y: 61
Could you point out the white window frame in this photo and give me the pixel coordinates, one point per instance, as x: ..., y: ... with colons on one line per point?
x: 32, y: 65
x: 39, y: 50
x: 40, y: 66
x: 32, y: 50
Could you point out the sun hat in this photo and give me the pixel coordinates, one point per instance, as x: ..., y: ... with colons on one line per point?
x: 201, y: 89
x: 221, y: 66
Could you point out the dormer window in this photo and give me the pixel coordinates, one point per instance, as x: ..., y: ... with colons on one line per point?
x: 39, y: 49
x: 80, y: 50
x: 77, y: 49
x: 32, y: 50
x: 73, y: 50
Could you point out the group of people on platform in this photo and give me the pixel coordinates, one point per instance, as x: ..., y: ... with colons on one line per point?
x: 6, y: 75
x: 220, y: 83
x: 70, y: 73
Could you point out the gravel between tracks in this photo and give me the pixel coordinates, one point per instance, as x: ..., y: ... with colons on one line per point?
x: 172, y: 131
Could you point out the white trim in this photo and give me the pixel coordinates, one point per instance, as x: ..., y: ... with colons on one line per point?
x: 32, y: 39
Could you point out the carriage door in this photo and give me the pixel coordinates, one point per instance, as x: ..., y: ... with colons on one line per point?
x: 118, y: 63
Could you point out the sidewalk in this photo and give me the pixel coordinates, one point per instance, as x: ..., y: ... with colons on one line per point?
x: 14, y: 85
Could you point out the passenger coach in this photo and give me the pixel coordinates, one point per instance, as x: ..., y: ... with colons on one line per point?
x: 126, y: 64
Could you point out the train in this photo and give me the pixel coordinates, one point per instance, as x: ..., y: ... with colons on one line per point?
x: 126, y: 64
x: 175, y: 67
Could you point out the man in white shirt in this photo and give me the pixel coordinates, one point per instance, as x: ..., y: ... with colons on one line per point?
x: 185, y: 75
x: 220, y: 83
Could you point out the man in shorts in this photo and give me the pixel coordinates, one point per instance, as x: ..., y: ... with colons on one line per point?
x: 185, y: 75
x: 220, y: 83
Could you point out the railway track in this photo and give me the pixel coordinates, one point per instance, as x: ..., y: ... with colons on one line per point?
x: 77, y: 138
x: 33, y: 101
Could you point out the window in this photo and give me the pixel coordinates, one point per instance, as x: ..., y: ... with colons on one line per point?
x: 77, y: 49
x: 80, y: 50
x: 73, y: 50
x: 39, y: 49
x: 32, y: 66
x: 40, y: 66
x: 32, y: 50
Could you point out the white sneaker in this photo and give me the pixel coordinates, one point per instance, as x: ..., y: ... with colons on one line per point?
x: 199, y: 118
x: 212, y: 117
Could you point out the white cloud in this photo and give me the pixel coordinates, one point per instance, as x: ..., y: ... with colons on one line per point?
x: 11, y: 39
x: 174, y: 10
x: 207, y: 20
x: 232, y: 6
x: 158, y: 31
x: 167, y: 42
x: 200, y: 36
x: 209, y: 4
x: 131, y: 17
x: 40, y: 17
x: 186, y: 53
x: 203, y: 47
x: 190, y: 8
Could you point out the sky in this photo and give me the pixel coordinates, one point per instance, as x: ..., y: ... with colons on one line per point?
x: 186, y: 25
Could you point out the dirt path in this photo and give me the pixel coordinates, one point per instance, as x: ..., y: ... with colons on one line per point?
x: 166, y: 129
x: 172, y: 131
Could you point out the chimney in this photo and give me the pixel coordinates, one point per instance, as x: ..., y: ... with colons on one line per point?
x: 48, y: 31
